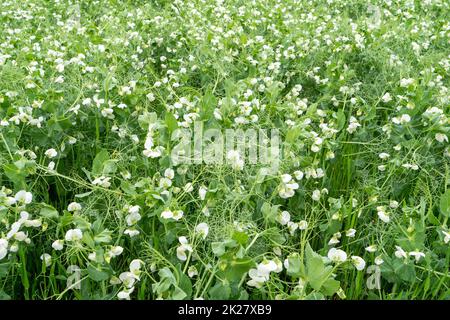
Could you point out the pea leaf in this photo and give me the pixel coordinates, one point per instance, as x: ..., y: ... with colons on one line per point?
x: 97, y: 274
x: 99, y: 162
x: 444, y: 204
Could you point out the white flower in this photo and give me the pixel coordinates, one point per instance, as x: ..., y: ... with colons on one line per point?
x: 133, y: 218
x: 125, y: 294
x: 350, y: 233
x: 298, y: 175
x: 128, y: 279
x: 23, y: 197
x: 285, y: 178
x: 334, y: 239
x: 47, y: 259
x: 51, y: 153
x: 188, y: 187
x: 192, y: 271
x: 337, y: 255
x: 58, y: 245
x: 302, y: 225
x: 202, y: 229
x: 358, y: 262
x: 292, y: 226
x: 3, y: 248
x: 131, y: 232
x: 406, y: 82
x: 372, y: 248
x: 175, y: 215
x: 256, y: 280
x: 202, y: 192
x: 417, y: 255
x: 440, y: 137
x: 135, y: 267
x: 115, y: 251
x: 169, y: 173
x: 316, y: 195
x: 134, y: 209
x: 384, y: 155
x: 287, y: 187
x: 386, y: 97
x: 266, y: 267
x: 284, y: 217
x: 379, y: 260
x: 446, y: 236
x: 400, y: 253
x: 393, y: 204
x: 182, y: 248
x: 234, y: 158
x: 74, y: 206
x: 353, y: 125
x: 103, y: 181
x: 74, y: 235
x: 382, y: 214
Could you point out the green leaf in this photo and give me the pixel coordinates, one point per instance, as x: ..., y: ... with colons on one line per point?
x: 294, y: 265
x: 47, y: 211
x: 220, y: 292
x: 171, y: 122
x: 16, y: 175
x: 240, y: 237
x: 340, y: 120
x: 444, y: 204
x: 99, y: 161
x: 97, y: 274
x: 103, y: 237
x: 218, y: 248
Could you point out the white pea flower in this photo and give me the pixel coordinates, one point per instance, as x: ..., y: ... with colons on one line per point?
x: 47, y: 259
x: 440, y: 137
x: 382, y: 214
x: 73, y: 235
x: 131, y: 232
x: 202, y: 229
x: 3, y: 248
x: 284, y: 217
x: 182, y: 248
x: 125, y: 294
x: 386, y: 97
x: 446, y: 236
x: 135, y: 267
x: 400, y: 253
x: 337, y: 255
x: 417, y: 255
x: 287, y: 187
x: 188, y: 187
x: 359, y: 263
x: 116, y: 251
x: 298, y: 175
x: 169, y: 173
x: 379, y: 260
x: 74, y: 206
x: 51, y: 153
x: 133, y: 217
x: 316, y: 195
x: 23, y: 197
x: 58, y: 245
x: 202, y: 192
x: 303, y: 225
x: 192, y: 271
x: 372, y: 248
x: 128, y: 279
x: 350, y: 233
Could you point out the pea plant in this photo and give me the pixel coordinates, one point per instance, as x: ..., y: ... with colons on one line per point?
x: 210, y: 149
